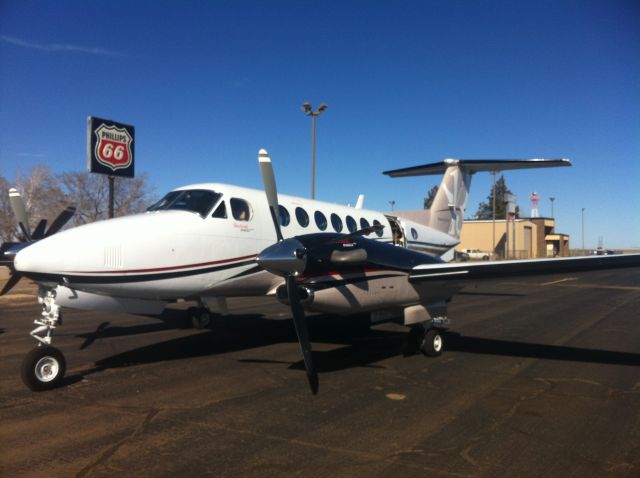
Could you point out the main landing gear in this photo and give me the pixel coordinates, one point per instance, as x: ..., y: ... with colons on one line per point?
x: 43, y: 368
x: 200, y: 317
x: 427, y: 339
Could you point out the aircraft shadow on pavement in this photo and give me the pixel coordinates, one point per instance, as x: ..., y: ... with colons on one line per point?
x: 244, y: 332
x: 478, y: 345
x: 358, y: 349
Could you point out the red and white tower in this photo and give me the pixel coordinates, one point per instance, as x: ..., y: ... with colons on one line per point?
x: 535, y: 199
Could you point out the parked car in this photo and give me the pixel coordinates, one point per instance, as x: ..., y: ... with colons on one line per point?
x: 460, y: 256
x: 477, y: 254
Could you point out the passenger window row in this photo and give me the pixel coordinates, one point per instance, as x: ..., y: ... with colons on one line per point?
x: 321, y: 220
x: 241, y: 211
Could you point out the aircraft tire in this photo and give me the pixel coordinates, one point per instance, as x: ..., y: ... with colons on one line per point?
x: 432, y: 344
x: 43, y: 368
x: 200, y: 318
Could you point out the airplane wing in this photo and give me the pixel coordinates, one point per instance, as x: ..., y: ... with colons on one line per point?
x: 500, y: 269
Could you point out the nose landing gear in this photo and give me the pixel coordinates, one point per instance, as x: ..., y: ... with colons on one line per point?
x: 44, y: 367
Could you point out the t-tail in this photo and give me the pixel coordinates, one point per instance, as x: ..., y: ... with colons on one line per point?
x: 450, y: 202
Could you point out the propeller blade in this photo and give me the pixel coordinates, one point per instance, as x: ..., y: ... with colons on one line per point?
x: 38, y: 232
x: 17, y: 204
x: 13, y: 280
x: 300, y: 322
x: 269, y: 181
x: 360, y: 232
x: 61, y: 220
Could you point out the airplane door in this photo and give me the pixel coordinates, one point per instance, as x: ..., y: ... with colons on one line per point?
x: 397, y: 232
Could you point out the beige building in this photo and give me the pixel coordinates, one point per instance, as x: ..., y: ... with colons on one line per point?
x: 534, y: 237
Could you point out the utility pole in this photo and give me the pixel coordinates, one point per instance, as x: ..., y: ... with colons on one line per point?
x: 583, y: 230
x: 308, y: 110
x: 493, y: 249
x: 552, y: 199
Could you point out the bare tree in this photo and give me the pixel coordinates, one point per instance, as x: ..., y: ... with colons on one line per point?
x: 46, y: 195
x: 90, y: 194
x: 41, y: 193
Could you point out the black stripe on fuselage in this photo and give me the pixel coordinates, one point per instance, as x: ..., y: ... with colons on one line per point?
x: 130, y: 278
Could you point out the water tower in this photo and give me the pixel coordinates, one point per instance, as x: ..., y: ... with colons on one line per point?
x: 535, y: 199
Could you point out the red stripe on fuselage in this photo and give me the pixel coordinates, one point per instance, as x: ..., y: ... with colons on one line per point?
x: 164, y: 269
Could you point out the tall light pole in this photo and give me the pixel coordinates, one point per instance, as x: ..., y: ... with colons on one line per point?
x: 493, y: 209
x: 552, y: 199
x: 583, y: 230
x: 392, y: 203
x: 308, y: 110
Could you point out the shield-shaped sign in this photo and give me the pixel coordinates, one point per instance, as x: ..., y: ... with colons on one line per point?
x: 110, y: 147
x: 113, y: 147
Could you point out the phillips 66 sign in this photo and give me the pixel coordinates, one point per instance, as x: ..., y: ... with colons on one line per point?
x: 110, y: 147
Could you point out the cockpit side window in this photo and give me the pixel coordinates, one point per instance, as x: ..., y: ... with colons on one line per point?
x: 240, y: 209
x: 195, y: 200
x: 221, y: 211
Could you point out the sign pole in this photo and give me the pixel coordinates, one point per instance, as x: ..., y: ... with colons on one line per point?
x: 111, y: 181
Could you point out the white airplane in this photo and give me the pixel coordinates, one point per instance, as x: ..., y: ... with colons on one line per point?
x: 207, y: 242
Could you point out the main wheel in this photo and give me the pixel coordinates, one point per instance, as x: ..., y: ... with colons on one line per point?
x: 200, y: 318
x: 432, y: 343
x: 43, y: 368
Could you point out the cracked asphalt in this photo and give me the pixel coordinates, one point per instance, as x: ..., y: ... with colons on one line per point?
x: 540, y: 378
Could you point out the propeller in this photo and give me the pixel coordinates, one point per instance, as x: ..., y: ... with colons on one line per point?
x: 8, y: 250
x: 287, y: 258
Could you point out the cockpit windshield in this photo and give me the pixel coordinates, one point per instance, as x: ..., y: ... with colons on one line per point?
x: 196, y: 200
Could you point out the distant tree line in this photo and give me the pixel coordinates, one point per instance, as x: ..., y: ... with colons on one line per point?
x: 46, y: 194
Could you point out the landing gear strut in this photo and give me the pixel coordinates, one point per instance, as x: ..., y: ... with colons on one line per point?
x: 43, y: 368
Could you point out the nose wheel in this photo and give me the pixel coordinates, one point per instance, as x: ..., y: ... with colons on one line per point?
x: 43, y: 368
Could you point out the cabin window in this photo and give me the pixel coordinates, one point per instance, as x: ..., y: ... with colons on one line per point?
x: 240, y: 209
x: 364, y: 224
x: 414, y: 233
x: 351, y: 224
x: 285, y: 219
x: 378, y: 231
x: 302, y: 217
x: 200, y: 201
x: 336, y: 222
x: 321, y: 220
x: 220, y: 211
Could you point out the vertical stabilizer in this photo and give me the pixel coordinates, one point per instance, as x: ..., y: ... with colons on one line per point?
x: 450, y: 203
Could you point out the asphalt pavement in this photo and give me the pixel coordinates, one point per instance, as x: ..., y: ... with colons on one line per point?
x: 539, y: 378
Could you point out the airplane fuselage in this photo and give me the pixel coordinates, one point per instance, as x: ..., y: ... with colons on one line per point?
x: 204, y: 247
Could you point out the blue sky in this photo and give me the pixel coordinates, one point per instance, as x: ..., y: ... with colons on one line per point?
x: 207, y: 84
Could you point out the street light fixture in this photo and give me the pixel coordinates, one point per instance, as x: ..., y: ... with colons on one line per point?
x: 308, y: 110
x: 552, y: 199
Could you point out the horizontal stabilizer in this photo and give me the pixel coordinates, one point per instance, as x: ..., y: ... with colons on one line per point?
x: 477, y: 165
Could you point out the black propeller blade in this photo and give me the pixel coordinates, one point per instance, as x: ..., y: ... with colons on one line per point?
x: 38, y: 232
x: 287, y: 258
x: 61, y: 220
x: 13, y: 280
x: 300, y: 322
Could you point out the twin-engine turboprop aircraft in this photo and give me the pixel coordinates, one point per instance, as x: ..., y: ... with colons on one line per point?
x: 207, y: 242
